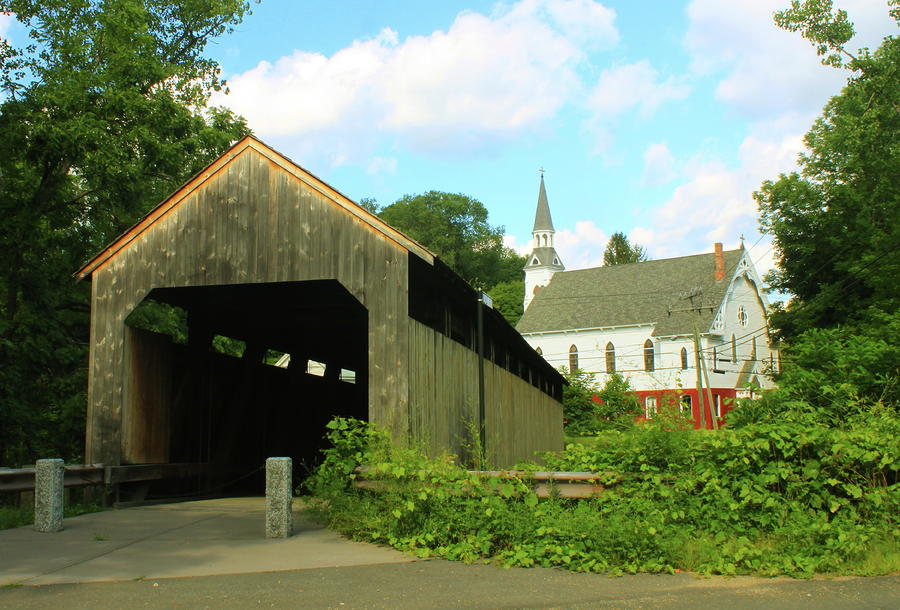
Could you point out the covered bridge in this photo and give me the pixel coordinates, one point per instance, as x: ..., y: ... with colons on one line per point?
x: 256, y: 252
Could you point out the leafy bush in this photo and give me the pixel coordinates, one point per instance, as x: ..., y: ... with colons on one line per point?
x: 834, y: 376
x: 784, y: 498
x: 588, y: 410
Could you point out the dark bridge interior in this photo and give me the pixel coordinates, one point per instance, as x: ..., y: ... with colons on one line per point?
x: 264, y: 367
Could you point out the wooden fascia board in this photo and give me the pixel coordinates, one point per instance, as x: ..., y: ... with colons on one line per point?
x: 283, y: 162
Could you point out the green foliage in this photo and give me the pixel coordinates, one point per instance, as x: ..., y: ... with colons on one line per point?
x: 617, y: 404
x: 767, y: 499
x: 579, y: 408
x: 589, y: 410
x: 456, y: 228
x: 834, y: 376
x: 17, y: 516
x: 828, y: 30
x: 508, y: 300
x: 619, y: 251
x: 836, y: 222
x: 101, y: 117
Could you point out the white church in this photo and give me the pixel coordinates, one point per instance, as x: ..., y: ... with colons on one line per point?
x: 640, y: 320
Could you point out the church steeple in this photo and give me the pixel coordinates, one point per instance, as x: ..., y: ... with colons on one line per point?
x: 542, y: 219
x: 543, y: 261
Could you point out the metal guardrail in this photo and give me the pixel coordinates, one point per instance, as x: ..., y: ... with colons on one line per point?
x: 82, y: 475
x: 544, y: 483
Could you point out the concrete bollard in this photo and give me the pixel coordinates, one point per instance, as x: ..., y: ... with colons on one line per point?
x: 48, y: 495
x: 279, y: 497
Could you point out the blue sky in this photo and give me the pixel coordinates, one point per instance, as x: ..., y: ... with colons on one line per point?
x: 657, y: 118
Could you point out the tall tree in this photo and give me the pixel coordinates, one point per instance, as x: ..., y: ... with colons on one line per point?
x: 456, y: 228
x: 103, y: 113
x: 619, y: 251
x: 836, y: 222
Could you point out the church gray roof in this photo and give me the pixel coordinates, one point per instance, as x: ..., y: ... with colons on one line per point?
x: 636, y: 293
x: 542, y: 220
x: 545, y: 256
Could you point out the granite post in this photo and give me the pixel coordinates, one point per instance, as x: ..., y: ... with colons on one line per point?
x: 48, y: 495
x: 279, y: 497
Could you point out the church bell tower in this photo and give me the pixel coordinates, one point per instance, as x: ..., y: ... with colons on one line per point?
x: 543, y: 261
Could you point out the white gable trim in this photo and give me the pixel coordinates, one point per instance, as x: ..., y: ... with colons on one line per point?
x: 746, y: 269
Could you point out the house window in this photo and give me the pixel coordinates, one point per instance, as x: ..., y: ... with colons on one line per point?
x: 610, y: 358
x: 539, y: 352
x: 573, y: 359
x: 684, y: 406
x: 733, y: 349
x: 684, y: 362
x: 717, y: 401
x: 648, y: 355
x: 742, y: 316
x: 650, y: 407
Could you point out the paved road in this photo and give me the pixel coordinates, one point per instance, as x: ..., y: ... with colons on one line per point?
x: 442, y: 584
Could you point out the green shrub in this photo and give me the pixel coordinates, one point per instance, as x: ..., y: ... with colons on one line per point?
x: 589, y: 410
x: 834, y: 376
x: 767, y: 499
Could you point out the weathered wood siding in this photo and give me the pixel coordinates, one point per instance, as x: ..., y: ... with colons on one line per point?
x: 249, y: 221
x: 443, y: 396
x: 146, y: 419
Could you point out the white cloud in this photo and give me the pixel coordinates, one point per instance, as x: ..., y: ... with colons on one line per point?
x: 715, y: 202
x: 5, y: 22
x: 579, y: 248
x: 633, y: 85
x: 659, y: 165
x: 379, y: 165
x: 626, y: 87
x: 582, y: 247
x: 769, y: 70
x: 484, y: 80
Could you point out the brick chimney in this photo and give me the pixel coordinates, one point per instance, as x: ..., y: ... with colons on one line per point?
x: 720, y: 262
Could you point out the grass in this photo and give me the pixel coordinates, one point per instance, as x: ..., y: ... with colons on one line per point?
x: 15, y: 516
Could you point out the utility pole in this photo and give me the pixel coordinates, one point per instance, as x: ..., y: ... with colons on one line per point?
x: 709, y: 396
x: 700, y: 364
x: 697, y: 366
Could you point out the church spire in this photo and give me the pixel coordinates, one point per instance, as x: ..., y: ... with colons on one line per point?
x: 543, y: 261
x: 542, y: 219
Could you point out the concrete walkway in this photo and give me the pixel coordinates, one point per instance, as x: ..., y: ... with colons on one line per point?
x: 208, y: 537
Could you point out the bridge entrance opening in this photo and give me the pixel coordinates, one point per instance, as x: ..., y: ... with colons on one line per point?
x: 222, y: 377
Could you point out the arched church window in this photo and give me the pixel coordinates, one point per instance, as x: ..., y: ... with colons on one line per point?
x: 648, y: 355
x: 610, y: 358
x: 539, y: 351
x: 573, y: 359
x: 684, y: 362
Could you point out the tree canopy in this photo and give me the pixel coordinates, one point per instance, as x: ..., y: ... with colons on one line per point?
x: 619, y: 251
x: 455, y: 227
x: 102, y: 113
x: 835, y: 223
